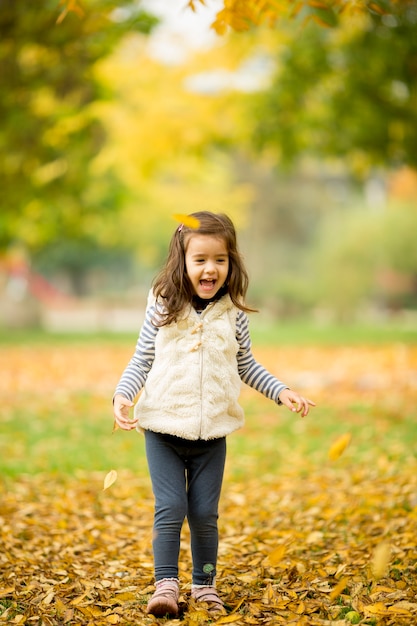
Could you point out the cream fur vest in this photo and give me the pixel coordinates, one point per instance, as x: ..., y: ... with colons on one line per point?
x: 193, y: 387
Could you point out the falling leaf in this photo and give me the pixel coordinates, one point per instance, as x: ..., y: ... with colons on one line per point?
x: 188, y: 220
x: 338, y: 590
x: 69, y: 6
x: 339, y: 446
x: 115, y: 427
x: 377, y: 8
x: 380, y: 560
x: 276, y: 555
x: 109, y: 479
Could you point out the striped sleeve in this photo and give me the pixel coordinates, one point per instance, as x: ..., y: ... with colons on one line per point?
x: 139, y: 366
x: 250, y: 371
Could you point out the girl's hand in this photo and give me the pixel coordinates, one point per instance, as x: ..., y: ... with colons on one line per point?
x: 121, y: 406
x: 290, y: 398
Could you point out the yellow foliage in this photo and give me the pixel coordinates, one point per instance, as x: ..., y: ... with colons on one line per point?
x: 294, y: 543
x: 161, y: 135
x: 240, y: 15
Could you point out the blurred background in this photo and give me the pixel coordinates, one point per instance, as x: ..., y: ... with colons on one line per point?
x: 117, y: 115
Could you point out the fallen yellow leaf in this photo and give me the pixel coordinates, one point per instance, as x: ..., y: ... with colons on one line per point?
x: 339, y: 446
x: 109, y: 479
x: 48, y: 598
x: 79, y: 599
x: 60, y: 607
x: 399, y: 610
x: 229, y: 619
x: 378, y: 608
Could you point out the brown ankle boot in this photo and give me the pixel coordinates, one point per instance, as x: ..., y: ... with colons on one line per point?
x: 165, y: 599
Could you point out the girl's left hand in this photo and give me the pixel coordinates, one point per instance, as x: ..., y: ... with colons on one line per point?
x: 291, y: 398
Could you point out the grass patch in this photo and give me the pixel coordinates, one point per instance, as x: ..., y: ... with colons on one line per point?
x: 74, y: 434
x: 306, y: 333
x: 263, y: 332
x: 56, y: 415
x: 274, y: 439
x: 66, y: 436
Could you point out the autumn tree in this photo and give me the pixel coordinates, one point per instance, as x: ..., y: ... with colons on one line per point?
x: 52, y: 199
x: 348, y: 92
x: 240, y: 15
x: 347, y: 89
x: 345, y: 81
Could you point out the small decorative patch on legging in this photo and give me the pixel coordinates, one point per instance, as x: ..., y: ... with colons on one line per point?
x: 209, y: 569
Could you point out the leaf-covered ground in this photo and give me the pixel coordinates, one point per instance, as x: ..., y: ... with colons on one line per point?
x: 305, y: 540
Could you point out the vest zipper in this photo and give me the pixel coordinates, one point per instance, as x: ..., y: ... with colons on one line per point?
x: 200, y: 333
x: 201, y: 391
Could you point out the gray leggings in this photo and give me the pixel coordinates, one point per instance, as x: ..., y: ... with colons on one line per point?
x: 186, y: 481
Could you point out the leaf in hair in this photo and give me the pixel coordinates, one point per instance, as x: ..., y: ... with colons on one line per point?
x: 188, y: 220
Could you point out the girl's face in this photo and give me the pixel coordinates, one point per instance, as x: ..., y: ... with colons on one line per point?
x: 207, y: 264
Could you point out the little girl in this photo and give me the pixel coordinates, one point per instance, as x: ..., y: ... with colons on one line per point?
x: 193, y: 351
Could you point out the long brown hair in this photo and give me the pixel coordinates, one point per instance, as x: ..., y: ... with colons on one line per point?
x: 172, y: 284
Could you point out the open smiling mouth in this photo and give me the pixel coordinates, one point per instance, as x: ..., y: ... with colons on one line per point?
x: 207, y: 285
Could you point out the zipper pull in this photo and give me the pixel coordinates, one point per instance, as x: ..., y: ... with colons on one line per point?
x: 196, y: 347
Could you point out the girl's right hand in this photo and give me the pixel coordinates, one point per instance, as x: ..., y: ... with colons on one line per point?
x: 121, y: 406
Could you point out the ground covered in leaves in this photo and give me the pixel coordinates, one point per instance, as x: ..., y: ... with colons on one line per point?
x: 305, y: 539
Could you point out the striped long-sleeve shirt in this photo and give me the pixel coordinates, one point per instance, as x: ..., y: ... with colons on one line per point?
x: 250, y: 371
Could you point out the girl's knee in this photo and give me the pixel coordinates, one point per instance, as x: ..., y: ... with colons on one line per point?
x: 173, y: 511
x: 202, y: 518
